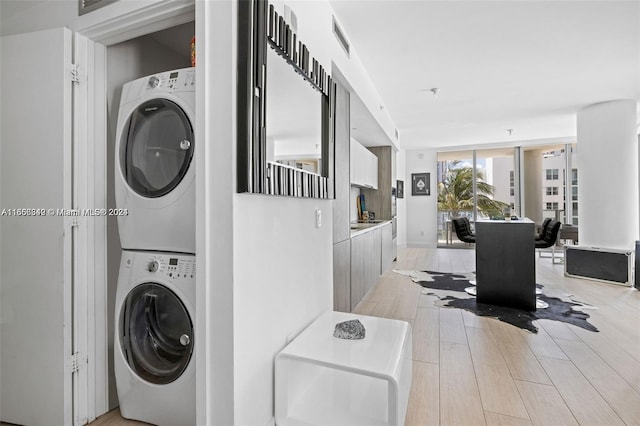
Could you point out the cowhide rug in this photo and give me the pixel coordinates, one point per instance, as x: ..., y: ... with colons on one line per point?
x: 449, y: 288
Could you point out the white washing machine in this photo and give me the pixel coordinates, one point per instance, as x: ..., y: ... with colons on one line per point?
x: 154, y: 167
x: 154, y: 358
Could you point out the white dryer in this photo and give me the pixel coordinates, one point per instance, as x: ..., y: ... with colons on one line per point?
x: 154, y: 358
x: 154, y: 167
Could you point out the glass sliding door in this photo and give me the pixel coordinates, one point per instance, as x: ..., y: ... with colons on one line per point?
x: 473, y: 184
x: 455, y: 193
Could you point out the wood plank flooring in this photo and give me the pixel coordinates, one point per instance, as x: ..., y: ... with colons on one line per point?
x: 471, y: 370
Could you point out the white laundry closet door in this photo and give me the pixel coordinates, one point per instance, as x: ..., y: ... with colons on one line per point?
x: 35, y: 245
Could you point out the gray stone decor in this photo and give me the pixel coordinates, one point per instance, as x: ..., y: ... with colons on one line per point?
x: 350, y: 330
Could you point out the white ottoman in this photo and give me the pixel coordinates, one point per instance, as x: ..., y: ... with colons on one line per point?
x: 324, y: 380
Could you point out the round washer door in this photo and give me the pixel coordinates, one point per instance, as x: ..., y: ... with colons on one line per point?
x: 156, y: 333
x: 156, y: 148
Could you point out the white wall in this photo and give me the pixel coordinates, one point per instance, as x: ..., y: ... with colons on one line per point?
x: 19, y: 16
x: 283, y: 281
x: 421, y: 210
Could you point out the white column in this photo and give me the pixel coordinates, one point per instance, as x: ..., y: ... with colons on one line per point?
x: 608, y: 175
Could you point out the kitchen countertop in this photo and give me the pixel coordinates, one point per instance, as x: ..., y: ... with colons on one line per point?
x: 358, y: 228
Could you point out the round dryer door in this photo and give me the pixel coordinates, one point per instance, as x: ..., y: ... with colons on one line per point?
x: 156, y: 333
x: 156, y: 148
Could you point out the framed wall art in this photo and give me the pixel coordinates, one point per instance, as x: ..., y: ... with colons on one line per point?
x: 400, y: 189
x: 421, y: 184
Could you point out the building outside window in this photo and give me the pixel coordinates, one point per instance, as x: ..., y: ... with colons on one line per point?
x: 552, y: 206
x: 552, y: 190
x: 512, y: 186
x: 552, y: 174
x: 574, y: 196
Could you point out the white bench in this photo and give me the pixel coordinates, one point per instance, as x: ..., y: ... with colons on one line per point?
x: 323, y: 380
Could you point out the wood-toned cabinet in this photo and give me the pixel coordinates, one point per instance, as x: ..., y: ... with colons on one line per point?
x: 387, y: 252
x: 342, y: 142
x: 365, y: 264
x: 342, y: 276
x: 341, y: 229
x: 359, y: 253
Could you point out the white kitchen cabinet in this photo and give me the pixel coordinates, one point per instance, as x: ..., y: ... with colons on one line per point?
x: 364, y: 166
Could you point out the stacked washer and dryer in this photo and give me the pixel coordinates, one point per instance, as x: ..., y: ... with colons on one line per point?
x: 155, y: 298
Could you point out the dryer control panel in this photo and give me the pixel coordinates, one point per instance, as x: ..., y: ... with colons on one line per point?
x: 178, y: 80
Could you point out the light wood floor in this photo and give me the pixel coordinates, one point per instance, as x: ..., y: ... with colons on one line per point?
x: 470, y: 370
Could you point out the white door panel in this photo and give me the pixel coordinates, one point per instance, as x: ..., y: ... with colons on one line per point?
x: 35, y: 251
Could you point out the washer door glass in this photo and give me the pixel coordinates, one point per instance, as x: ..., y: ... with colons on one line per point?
x: 157, y: 148
x: 156, y: 333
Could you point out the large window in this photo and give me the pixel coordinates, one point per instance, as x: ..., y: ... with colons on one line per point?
x: 478, y: 187
x: 535, y: 182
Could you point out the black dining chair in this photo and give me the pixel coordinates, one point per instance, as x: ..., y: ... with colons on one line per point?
x: 462, y: 226
x: 548, y: 238
x: 549, y: 235
x: 543, y: 228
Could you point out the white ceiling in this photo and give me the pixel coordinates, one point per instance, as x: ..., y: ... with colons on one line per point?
x: 522, y: 65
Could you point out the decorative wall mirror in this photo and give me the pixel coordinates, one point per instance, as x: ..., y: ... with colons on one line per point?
x: 285, y: 109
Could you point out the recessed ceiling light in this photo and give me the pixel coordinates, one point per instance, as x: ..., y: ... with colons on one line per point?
x: 434, y: 91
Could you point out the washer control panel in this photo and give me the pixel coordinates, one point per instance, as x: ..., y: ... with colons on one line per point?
x: 171, y: 267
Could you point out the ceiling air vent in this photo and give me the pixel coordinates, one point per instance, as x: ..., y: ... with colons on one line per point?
x: 86, y: 6
x: 342, y: 40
